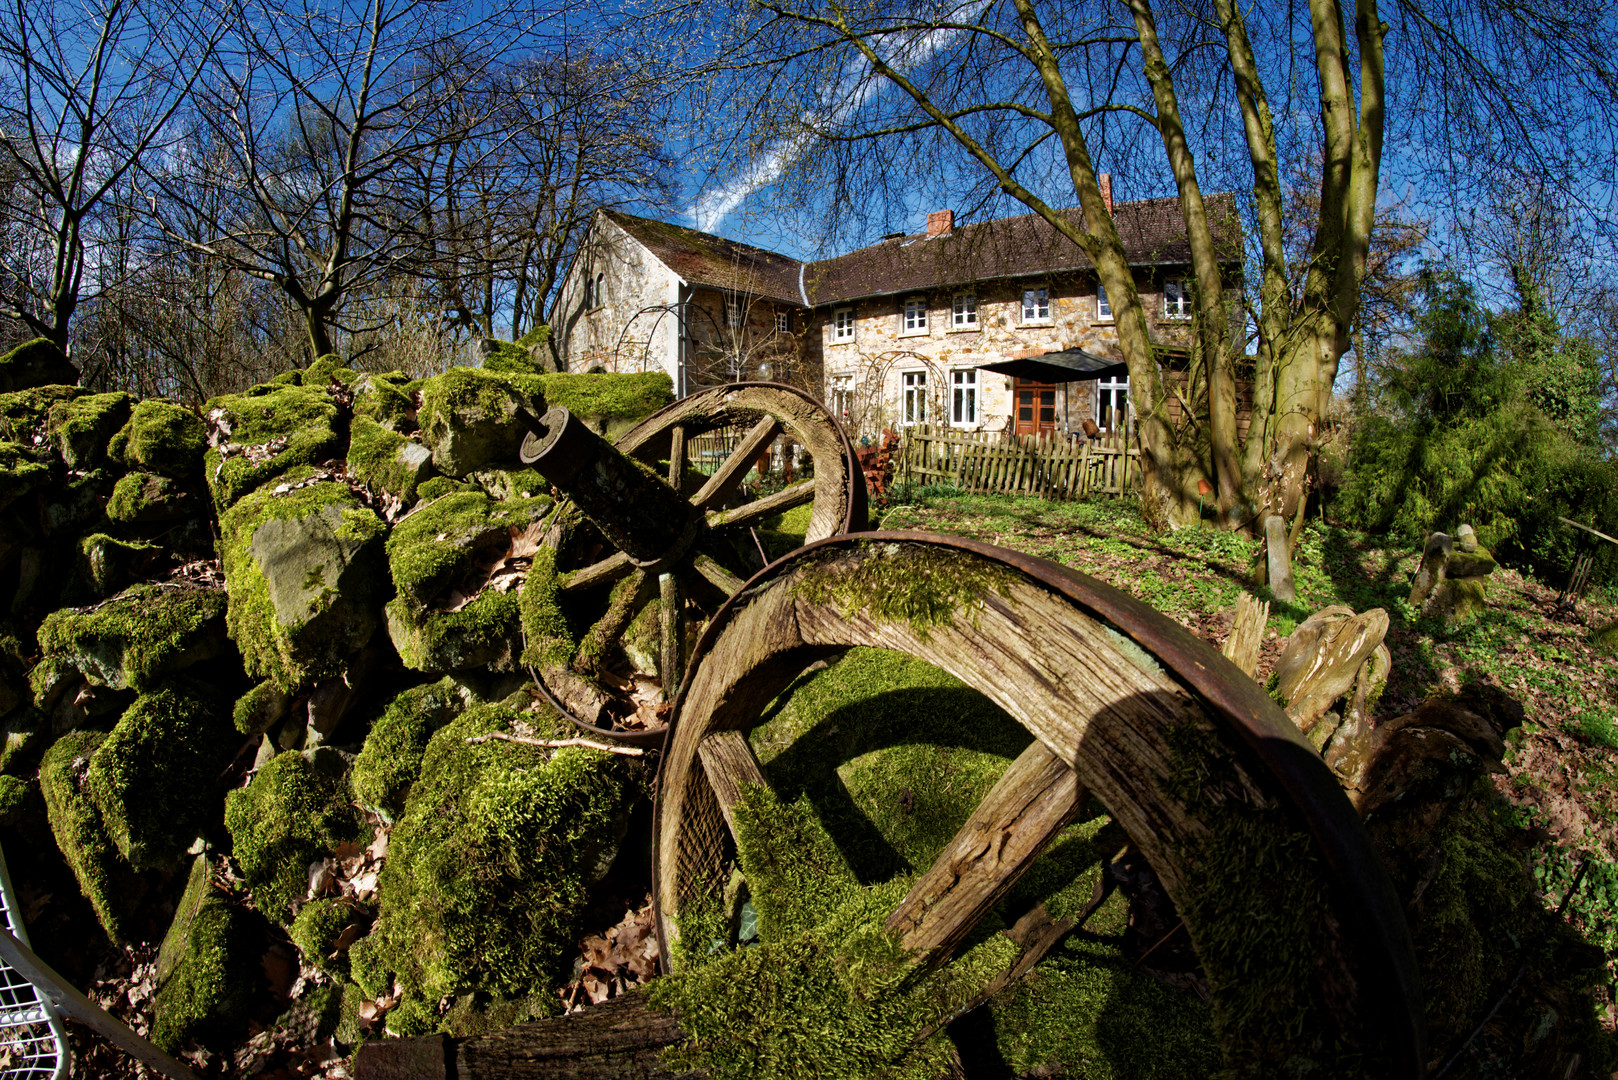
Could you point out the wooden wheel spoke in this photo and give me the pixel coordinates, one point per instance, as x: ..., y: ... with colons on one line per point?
x: 676, y: 456
x: 1034, y: 800
x: 671, y: 663
x: 717, y: 575
x: 608, y: 570
x: 729, y: 475
x: 754, y: 512
x: 728, y: 762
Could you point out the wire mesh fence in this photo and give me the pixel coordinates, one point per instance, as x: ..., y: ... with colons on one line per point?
x: 33, y: 1045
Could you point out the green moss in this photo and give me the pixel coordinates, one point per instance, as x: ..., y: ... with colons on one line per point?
x: 328, y: 369
x: 82, y: 427
x: 290, y: 815
x: 106, y: 564
x: 488, y: 869
x: 14, y: 797
x: 436, y: 487
x: 904, y: 583
x: 76, y: 825
x: 388, y: 763
x: 315, y: 932
x: 163, y: 438
x: 260, y: 708
x: 1605, y: 640
x: 1089, y: 1012
x: 436, y: 547
x: 205, y: 966
x: 136, y: 639
x: 19, y: 473
x: 548, y: 640
x: 386, y: 461
x: 484, y: 633
x: 287, y: 427
x: 383, y: 397
x: 23, y: 412
x: 785, y: 532
x: 609, y: 397
x: 153, y: 778
x: 317, y: 605
x: 469, y: 417
x: 508, y: 358
x: 143, y: 496
x: 511, y: 483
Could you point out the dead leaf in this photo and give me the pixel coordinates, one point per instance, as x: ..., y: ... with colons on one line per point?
x: 322, y: 878
x: 281, y: 970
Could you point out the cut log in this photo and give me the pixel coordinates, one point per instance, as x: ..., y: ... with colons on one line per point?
x: 1251, y: 616
x: 1280, y: 558
x: 1030, y: 804
x: 1322, y: 659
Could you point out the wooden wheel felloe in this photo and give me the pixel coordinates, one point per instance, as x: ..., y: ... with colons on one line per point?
x: 647, y: 519
x: 1285, y: 902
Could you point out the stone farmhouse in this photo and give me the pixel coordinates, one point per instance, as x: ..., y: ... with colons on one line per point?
x: 895, y: 333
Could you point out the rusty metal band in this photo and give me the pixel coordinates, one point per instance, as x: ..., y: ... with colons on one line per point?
x: 1365, y: 896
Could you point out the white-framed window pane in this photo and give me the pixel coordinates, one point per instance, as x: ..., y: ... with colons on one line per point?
x: 966, y: 310
x: 1036, y: 304
x: 915, y: 397
x: 963, y: 409
x: 783, y: 322
x: 843, y: 325
x: 1103, y: 308
x: 915, y: 314
x: 1112, y: 403
x: 1176, y: 300
x: 842, y: 395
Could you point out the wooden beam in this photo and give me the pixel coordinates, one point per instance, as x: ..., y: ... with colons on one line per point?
x: 726, y: 478
x: 728, y: 762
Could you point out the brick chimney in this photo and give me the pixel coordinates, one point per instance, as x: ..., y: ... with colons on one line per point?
x: 940, y: 223
x: 1106, y: 191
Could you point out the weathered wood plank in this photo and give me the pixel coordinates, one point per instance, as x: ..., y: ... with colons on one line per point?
x: 1251, y: 616
x: 728, y: 761
x: 729, y: 474
x: 1035, y: 798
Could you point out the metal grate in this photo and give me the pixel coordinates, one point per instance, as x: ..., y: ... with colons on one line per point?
x: 33, y: 1045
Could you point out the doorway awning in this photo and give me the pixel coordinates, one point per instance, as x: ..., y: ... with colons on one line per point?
x: 1067, y: 365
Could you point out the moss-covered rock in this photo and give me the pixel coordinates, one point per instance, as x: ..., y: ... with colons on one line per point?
x: 142, y: 497
x: 611, y: 404
x: 24, y: 412
x: 383, y: 398
x: 468, y: 417
x: 82, y: 427
x: 303, y: 565
x: 318, y: 929
x: 488, y: 870
x: 153, y: 777
x: 15, y: 794
x: 384, y: 460
x: 75, y: 505
x: 107, y: 564
x: 23, y: 731
x: 139, y: 637
x: 19, y: 473
x: 509, y: 358
x: 205, y: 969
x: 163, y: 438
x: 35, y: 363
x: 261, y: 708
x: 438, y: 486
x: 291, y: 814
x: 269, y: 433
x: 76, y: 825
x: 329, y: 369
x: 390, y: 760
x: 438, y: 550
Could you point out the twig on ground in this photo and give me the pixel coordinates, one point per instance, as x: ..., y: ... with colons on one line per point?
x: 628, y: 751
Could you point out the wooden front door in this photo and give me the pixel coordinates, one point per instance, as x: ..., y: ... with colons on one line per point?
x: 1035, y: 409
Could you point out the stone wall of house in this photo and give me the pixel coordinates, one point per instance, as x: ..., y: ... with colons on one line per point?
x: 736, y: 337
x: 865, y: 379
x: 636, y: 327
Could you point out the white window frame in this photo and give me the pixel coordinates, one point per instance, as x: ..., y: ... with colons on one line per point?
x: 1109, y: 388
x: 963, y: 397
x: 783, y: 322
x: 912, y: 397
x: 913, y: 316
x: 842, y: 324
x: 733, y: 314
x: 1036, y: 305
x: 842, y: 396
x: 1103, y: 306
x: 1176, y: 300
x: 964, y: 312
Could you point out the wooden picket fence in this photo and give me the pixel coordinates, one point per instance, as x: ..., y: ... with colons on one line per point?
x: 1046, y: 465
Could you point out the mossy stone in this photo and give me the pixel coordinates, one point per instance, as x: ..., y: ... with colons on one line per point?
x: 142, y: 497
x: 329, y: 369
x: 383, y: 398
x: 509, y: 481
x: 22, y: 731
x: 291, y: 814
x: 153, y: 777
x: 384, y: 460
x: 19, y: 473
x: 389, y: 761
x: 437, y: 487
x: 81, y: 428
x: 315, y: 931
x: 24, y: 412
x: 269, y: 434
x: 488, y: 870
x: 1605, y: 640
x: 468, y: 418
x: 76, y: 506
x: 139, y: 637
x: 107, y: 564
x: 509, y: 359
x: 39, y: 362
x: 76, y: 825
x: 261, y: 708
x: 205, y: 968
x: 163, y: 438
x: 615, y: 402
x: 304, y: 570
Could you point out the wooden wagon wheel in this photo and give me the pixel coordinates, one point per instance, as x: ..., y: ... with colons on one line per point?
x: 1216, y: 789
x: 626, y: 537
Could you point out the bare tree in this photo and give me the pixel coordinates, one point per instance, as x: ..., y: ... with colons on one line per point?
x: 87, y: 91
